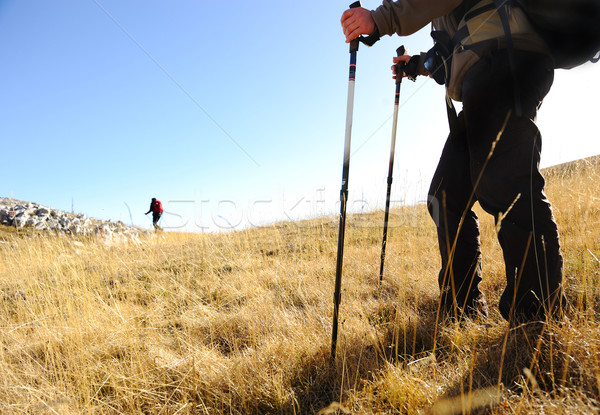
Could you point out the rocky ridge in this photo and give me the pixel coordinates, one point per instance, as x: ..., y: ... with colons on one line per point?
x: 29, y: 215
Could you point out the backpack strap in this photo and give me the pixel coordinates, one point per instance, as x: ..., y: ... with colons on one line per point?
x: 483, y: 14
x: 437, y: 62
x: 470, y: 13
x: 463, y: 8
x: 470, y: 9
x: 501, y: 6
x: 465, y: 11
x: 452, y: 117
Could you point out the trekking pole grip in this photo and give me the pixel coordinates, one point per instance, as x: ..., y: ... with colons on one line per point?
x: 400, y: 65
x: 354, y: 44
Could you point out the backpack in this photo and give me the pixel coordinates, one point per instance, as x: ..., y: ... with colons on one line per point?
x: 157, y: 207
x: 570, y: 28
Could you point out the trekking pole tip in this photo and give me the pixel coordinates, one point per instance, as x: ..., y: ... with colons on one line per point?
x: 355, y: 5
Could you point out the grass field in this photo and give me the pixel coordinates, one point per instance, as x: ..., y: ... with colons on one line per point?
x: 240, y: 323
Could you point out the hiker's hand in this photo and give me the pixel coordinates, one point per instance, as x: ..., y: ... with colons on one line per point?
x: 356, y: 22
x: 398, y: 59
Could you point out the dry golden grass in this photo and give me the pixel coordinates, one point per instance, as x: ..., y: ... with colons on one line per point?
x: 240, y: 323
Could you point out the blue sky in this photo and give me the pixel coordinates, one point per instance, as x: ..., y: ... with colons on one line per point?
x: 231, y: 113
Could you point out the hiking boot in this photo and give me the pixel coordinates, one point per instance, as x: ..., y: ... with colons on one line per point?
x: 530, y: 309
x: 475, y: 310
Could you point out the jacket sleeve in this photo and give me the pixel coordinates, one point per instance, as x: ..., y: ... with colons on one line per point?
x: 405, y: 17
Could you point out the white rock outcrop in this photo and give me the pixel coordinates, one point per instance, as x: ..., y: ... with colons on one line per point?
x: 35, y: 216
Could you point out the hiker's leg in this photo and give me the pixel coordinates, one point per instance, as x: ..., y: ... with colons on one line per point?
x: 511, y: 186
x: 450, y: 206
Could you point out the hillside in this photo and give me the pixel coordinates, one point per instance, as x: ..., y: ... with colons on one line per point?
x: 577, y: 167
x: 240, y: 323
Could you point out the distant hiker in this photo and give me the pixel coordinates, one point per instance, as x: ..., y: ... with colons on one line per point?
x: 501, y: 89
x: 157, y: 211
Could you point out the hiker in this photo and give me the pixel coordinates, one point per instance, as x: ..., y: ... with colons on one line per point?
x: 157, y: 211
x: 503, y: 175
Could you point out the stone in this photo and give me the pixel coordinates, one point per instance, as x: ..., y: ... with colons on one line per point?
x: 53, y: 224
x: 19, y: 222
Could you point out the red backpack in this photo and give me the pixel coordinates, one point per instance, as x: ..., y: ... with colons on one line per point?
x: 157, y: 207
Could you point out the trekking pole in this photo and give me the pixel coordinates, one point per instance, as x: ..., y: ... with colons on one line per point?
x: 344, y: 192
x: 399, y: 74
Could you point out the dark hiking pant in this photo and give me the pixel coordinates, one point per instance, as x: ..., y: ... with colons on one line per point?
x: 507, y: 184
x: 155, y: 218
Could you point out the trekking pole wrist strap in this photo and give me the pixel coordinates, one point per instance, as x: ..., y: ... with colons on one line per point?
x: 411, y: 69
x: 372, y: 38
